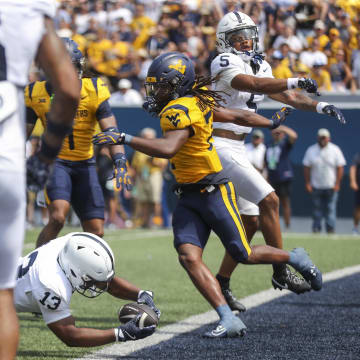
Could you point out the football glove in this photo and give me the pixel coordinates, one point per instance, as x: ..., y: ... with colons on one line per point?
x: 332, y: 110
x: 279, y: 117
x: 37, y: 173
x: 256, y: 61
x: 109, y: 138
x: 130, y: 331
x: 146, y: 297
x: 120, y: 172
x: 309, y: 85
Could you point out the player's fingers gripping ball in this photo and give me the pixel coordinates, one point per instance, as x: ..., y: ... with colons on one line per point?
x: 144, y: 314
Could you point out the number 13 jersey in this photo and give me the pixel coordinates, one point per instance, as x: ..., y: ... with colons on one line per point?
x: 226, y: 66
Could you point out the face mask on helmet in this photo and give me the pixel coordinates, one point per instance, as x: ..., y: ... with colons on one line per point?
x: 92, y: 288
x: 237, y: 34
x: 76, y: 55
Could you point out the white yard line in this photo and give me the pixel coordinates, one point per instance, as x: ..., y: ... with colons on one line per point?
x: 192, y: 323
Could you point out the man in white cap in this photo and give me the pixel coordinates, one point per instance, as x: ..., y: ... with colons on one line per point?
x: 323, y: 170
x: 126, y: 96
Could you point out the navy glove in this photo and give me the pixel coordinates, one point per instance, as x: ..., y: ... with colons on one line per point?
x: 37, y: 173
x: 146, y: 297
x: 309, y: 85
x: 109, y: 138
x: 332, y: 110
x: 256, y: 61
x: 279, y: 117
x: 130, y: 331
x: 120, y: 172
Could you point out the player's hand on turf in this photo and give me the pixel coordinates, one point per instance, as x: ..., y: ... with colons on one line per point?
x: 279, y: 117
x: 130, y: 331
x: 108, y: 138
x: 332, y: 110
x: 147, y: 297
x: 309, y: 85
x: 37, y: 173
x: 120, y: 172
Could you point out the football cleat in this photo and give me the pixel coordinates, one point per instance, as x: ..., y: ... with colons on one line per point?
x: 290, y: 281
x: 307, y: 269
x: 229, y: 328
x: 232, y: 301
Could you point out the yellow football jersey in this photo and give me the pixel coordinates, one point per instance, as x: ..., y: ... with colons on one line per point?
x: 77, y: 146
x: 197, y: 158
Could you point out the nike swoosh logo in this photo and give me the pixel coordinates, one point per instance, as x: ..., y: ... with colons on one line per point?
x: 132, y: 337
x: 219, y: 331
x: 83, y: 97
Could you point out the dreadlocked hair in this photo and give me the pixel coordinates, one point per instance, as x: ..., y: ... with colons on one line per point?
x: 206, y: 97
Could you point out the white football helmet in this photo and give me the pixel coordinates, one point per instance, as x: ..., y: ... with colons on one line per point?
x: 88, y: 263
x: 237, y: 23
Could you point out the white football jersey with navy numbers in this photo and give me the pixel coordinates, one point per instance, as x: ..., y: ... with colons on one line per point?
x: 41, y: 285
x: 226, y: 66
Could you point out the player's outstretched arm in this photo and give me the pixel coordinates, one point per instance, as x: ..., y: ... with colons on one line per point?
x: 73, y: 336
x: 251, y: 119
x: 303, y: 102
x: 165, y: 147
x: 268, y: 86
x: 55, y: 61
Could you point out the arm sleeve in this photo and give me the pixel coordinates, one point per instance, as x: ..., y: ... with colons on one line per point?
x: 103, y: 110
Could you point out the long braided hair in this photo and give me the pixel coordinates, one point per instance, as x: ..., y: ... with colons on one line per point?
x: 206, y: 97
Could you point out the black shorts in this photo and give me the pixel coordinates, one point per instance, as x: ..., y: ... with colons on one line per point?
x: 282, y: 189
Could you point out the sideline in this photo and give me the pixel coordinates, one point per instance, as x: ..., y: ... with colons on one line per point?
x: 165, y: 333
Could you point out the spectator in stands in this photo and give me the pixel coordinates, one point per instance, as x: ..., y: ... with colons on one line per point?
x: 319, y: 28
x: 148, y: 185
x: 321, y: 75
x: 255, y: 150
x: 354, y: 175
x: 279, y: 69
x: 309, y: 56
x: 99, y: 14
x: 82, y: 17
x: 289, y: 38
x: 323, y: 170
x: 125, y: 96
x: 340, y: 74
x: 279, y: 168
x: 355, y: 63
x: 130, y: 69
x: 334, y: 44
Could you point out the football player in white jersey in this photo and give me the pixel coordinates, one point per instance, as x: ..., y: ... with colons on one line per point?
x: 244, y: 76
x: 26, y: 32
x: 82, y: 262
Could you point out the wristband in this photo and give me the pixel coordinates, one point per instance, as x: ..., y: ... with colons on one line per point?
x: 292, y: 83
x: 119, y: 156
x: 116, y: 331
x: 111, y: 129
x: 271, y: 124
x: 48, y: 151
x: 127, y: 139
x: 320, y: 106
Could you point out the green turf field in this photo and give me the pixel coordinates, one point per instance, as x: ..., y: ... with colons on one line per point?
x: 148, y: 259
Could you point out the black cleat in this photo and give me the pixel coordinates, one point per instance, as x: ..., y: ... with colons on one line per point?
x: 232, y: 301
x: 290, y: 281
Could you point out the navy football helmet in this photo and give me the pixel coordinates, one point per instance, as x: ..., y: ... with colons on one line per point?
x: 170, y: 76
x: 76, y: 55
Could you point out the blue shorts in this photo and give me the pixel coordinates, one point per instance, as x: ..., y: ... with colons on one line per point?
x: 199, y: 212
x: 77, y: 182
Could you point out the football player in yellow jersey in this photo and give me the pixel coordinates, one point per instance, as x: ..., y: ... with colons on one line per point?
x: 74, y: 180
x: 207, y: 198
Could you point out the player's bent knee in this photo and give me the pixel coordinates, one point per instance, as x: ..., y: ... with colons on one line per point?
x: 189, y: 261
x: 238, y: 253
x: 57, y: 220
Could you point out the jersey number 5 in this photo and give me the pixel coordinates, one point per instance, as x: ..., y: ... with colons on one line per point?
x: 224, y: 60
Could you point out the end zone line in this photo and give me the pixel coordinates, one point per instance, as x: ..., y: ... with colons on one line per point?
x: 192, y: 323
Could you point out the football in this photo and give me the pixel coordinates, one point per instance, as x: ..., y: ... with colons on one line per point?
x: 129, y: 311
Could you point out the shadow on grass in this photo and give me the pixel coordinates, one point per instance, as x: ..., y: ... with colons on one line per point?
x: 57, y: 354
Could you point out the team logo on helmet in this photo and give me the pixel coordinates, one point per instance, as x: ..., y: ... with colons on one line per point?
x: 178, y: 67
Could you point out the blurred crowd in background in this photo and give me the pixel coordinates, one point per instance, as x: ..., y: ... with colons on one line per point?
x: 312, y: 38
x: 316, y: 38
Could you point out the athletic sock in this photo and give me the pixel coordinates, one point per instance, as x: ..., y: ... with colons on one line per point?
x: 224, y: 312
x: 223, y: 281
